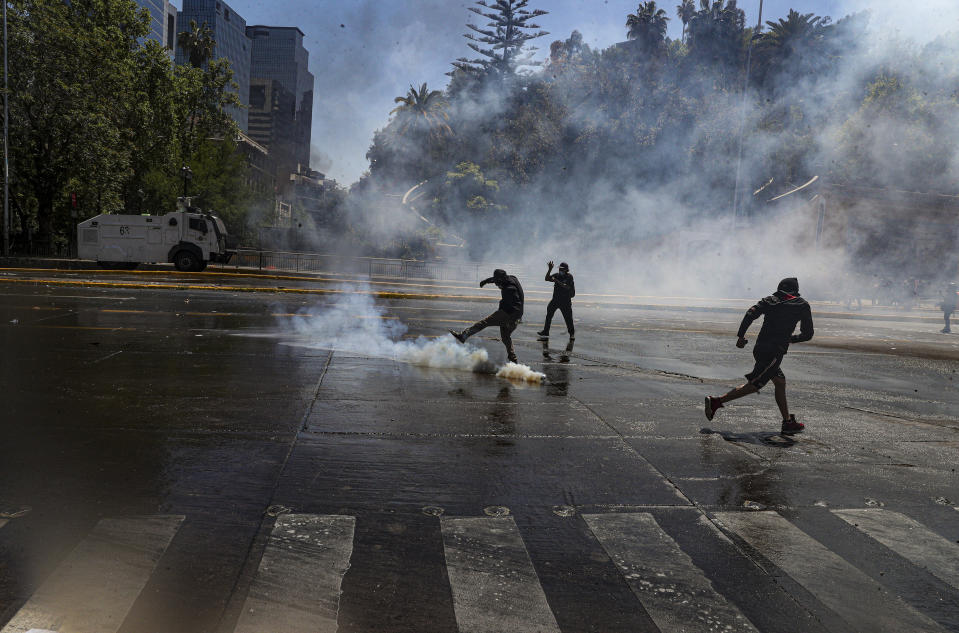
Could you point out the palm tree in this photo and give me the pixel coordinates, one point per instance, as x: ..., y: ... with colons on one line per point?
x: 647, y: 25
x: 715, y: 32
x: 422, y: 109
x: 685, y: 12
x: 788, y: 41
x: 197, y: 43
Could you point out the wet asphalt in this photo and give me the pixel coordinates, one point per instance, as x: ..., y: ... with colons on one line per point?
x: 208, y: 404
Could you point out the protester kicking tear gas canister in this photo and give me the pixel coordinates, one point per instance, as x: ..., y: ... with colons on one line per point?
x: 564, y: 289
x: 781, y: 311
x: 507, y: 316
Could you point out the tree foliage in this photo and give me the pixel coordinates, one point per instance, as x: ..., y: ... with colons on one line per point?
x: 502, y: 44
x: 647, y: 26
x: 668, y: 119
x: 100, y: 115
x: 422, y: 110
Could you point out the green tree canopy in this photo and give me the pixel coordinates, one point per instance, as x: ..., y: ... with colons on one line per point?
x: 647, y: 26
x: 422, y: 110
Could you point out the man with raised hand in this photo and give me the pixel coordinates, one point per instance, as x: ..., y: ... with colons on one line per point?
x: 507, y: 315
x: 781, y: 311
x: 564, y: 289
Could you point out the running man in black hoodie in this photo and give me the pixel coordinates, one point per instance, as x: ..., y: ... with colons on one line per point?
x: 507, y: 316
x: 781, y: 312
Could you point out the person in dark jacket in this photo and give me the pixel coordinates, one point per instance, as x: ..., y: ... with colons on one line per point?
x: 564, y: 289
x: 948, y: 306
x: 781, y: 312
x: 507, y: 315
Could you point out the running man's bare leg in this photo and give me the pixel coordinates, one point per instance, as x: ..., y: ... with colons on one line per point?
x: 780, y: 384
x: 738, y: 392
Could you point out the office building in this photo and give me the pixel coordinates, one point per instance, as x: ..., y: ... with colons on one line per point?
x: 162, y: 21
x: 278, y: 55
x: 272, y: 121
x: 229, y: 32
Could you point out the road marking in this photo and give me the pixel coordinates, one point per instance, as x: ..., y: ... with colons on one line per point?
x: 3, y: 522
x: 107, y: 357
x: 93, y: 589
x: 495, y: 587
x: 423, y: 308
x: 657, y: 329
x: 297, y: 585
x: 908, y: 538
x: 45, y: 296
x: 385, y: 317
x: 82, y: 327
x: 676, y: 593
x: 863, y: 603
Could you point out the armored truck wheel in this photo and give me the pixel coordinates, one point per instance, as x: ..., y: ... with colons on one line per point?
x: 186, y: 262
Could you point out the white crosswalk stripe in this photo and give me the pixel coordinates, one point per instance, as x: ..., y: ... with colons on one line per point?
x: 674, y: 591
x: 94, y: 588
x: 297, y: 585
x: 495, y: 587
x: 864, y: 604
x: 909, y: 539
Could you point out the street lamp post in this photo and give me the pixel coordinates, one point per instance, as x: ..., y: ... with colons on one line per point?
x: 6, y: 142
x: 187, y: 177
x: 742, y: 122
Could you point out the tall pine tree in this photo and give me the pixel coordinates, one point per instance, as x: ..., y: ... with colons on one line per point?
x: 502, y: 43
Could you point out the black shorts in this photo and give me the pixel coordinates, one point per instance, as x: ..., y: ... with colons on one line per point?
x: 767, y: 367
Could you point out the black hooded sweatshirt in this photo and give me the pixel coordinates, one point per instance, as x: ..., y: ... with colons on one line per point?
x: 564, y: 288
x: 512, y: 295
x: 781, y: 312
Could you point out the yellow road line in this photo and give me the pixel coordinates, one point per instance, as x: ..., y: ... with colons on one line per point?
x: 264, y: 289
x: 81, y: 327
x: 158, y: 273
x: 393, y: 295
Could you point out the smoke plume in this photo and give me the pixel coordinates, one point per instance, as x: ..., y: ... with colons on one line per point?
x: 355, y: 323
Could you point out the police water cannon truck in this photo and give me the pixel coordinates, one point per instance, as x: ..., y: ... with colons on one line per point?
x: 188, y: 237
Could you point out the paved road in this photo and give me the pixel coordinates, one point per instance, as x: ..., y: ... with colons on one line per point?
x: 198, y: 460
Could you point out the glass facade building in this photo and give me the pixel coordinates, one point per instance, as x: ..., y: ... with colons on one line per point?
x: 229, y: 32
x: 162, y: 21
x: 278, y: 55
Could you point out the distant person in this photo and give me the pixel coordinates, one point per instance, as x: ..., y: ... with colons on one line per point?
x: 948, y: 306
x: 564, y: 289
x: 507, y: 316
x: 781, y: 312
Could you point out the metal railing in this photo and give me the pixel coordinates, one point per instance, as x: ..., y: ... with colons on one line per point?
x: 371, y: 267
x: 56, y: 251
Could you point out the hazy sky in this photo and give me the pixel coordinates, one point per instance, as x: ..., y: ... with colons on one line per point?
x: 366, y: 52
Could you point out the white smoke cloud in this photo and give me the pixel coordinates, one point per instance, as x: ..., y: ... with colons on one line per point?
x: 919, y: 21
x: 520, y: 373
x: 355, y: 323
